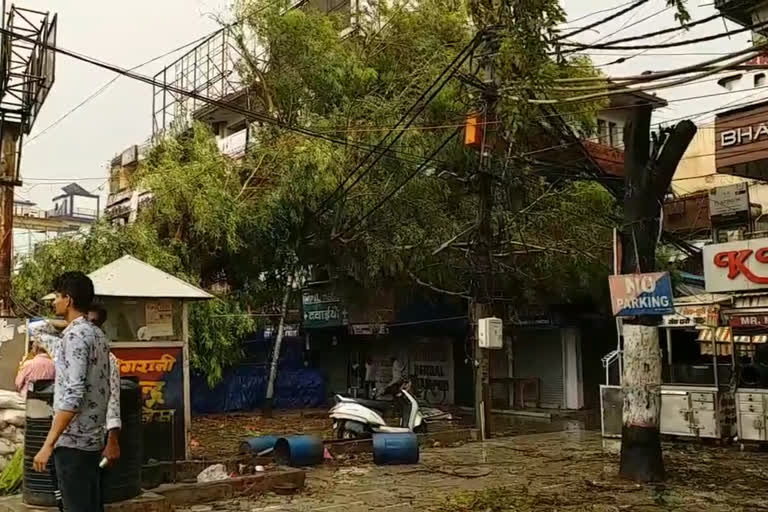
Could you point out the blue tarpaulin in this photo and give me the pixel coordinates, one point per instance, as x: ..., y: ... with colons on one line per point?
x: 243, y: 389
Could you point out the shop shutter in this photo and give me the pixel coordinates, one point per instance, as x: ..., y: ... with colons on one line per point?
x: 539, y: 353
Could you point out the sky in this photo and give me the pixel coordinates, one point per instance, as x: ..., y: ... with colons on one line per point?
x: 122, y: 33
x: 128, y: 33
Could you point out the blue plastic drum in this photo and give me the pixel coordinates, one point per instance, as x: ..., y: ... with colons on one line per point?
x: 401, y: 448
x: 258, y: 444
x: 298, y: 451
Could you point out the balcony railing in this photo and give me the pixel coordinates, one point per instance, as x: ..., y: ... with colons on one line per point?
x: 78, y: 213
x: 234, y: 145
x: 37, y: 213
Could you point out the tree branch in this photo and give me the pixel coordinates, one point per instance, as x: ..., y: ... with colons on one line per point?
x: 464, y: 294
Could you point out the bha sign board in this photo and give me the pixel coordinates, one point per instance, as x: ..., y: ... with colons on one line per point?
x: 741, y: 141
x: 736, y: 266
x: 641, y: 294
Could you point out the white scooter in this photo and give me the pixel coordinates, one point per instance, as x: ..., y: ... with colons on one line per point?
x: 355, y: 418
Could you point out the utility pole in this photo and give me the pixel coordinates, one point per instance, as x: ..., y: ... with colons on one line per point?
x: 9, y: 140
x: 481, y: 302
x: 27, y: 73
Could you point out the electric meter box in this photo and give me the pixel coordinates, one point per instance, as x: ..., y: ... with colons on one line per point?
x: 489, y: 333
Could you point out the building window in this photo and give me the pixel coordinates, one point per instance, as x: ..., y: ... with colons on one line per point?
x: 759, y: 79
x: 613, y: 135
x: 602, y: 131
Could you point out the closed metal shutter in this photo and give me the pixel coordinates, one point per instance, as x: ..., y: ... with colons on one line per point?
x: 539, y: 353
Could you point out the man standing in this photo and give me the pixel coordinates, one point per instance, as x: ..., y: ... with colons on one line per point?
x: 80, y: 399
x: 97, y: 315
x: 48, y: 333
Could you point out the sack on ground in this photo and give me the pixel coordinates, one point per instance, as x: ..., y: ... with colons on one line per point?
x: 213, y: 474
x: 11, y: 400
x: 12, y: 417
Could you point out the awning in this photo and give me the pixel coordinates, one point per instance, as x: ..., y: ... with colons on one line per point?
x: 723, y: 335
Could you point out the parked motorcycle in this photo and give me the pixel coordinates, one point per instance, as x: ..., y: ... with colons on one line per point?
x: 356, y: 418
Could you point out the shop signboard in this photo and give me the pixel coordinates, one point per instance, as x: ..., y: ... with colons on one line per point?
x: 736, y: 266
x: 729, y: 200
x: 641, y: 294
x: 749, y: 321
x: 741, y: 141
x: 159, y: 371
x: 690, y: 316
x: 322, y: 309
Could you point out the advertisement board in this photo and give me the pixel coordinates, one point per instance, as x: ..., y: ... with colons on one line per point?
x: 736, y: 266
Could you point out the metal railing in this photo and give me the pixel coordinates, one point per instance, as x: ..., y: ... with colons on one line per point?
x: 608, y: 360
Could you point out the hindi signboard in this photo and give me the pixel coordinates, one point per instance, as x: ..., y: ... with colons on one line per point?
x: 159, y: 371
x: 641, y: 294
x: 322, y: 309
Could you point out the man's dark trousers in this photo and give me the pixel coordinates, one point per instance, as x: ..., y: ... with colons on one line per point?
x: 79, y: 479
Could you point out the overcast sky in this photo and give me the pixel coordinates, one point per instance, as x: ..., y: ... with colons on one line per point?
x: 128, y: 33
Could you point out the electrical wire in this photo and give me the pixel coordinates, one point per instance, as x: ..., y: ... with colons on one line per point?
x: 712, y: 37
x: 249, y: 114
x: 106, y: 85
x: 448, y: 73
x: 686, y: 26
x: 399, y: 187
x: 601, y: 11
x: 602, y: 21
x: 626, y: 25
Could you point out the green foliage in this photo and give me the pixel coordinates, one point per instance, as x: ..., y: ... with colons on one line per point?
x: 217, y: 328
x: 12, y: 474
x: 247, y: 226
x: 193, y: 228
x: 355, y: 87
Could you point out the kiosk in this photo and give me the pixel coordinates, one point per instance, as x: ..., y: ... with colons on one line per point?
x: 148, y: 328
x: 697, y: 370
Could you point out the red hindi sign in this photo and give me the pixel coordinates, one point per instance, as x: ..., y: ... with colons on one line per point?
x: 752, y: 321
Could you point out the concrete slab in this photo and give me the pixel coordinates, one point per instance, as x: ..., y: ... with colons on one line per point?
x: 195, y: 493
x: 147, y: 502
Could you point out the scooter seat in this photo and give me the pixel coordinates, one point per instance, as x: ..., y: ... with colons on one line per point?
x: 392, y: 430
x: 377, y: 405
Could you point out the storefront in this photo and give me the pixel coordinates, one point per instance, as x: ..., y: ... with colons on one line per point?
x: 546, y: 361
x: 421, y: 335
x: 741, y: 268
x: 695, y: 397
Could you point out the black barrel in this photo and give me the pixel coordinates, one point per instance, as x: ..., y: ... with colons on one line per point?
x: 123, y: 480
x: 37, y: 488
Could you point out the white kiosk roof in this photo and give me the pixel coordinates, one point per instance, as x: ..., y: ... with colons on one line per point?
x: 131, y: 277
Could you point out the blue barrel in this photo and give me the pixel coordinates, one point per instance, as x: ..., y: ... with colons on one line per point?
x: 400, y: 448
x: 256, y: 445
x: 298, y: 451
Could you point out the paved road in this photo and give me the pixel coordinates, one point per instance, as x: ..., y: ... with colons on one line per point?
x: 564, y: 471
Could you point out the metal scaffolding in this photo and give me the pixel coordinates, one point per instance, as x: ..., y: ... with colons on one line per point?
x: 211, y: 69
x: 27, y: 73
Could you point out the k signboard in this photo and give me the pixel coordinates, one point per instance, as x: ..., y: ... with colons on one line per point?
x: 641, y: 294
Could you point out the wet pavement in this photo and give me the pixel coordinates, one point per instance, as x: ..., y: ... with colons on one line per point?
x: 564, y: 471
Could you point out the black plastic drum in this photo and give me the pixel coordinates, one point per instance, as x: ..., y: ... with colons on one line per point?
x: 123, y: 480
x: 37, y: 488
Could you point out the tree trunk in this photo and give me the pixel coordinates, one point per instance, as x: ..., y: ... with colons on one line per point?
x: 268, y: 400
x: 641, y: 457
x: 648, y: 174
